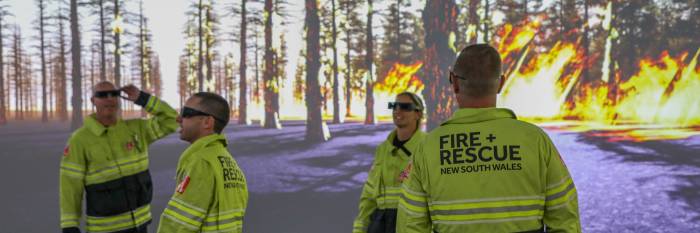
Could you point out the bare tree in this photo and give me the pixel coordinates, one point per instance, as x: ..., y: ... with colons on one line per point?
x: 242, y: 67
x: 439, y: 20
x: 3, y: 110
x: 352, y: 26
x: 100, y: 9
x: 314, y: 120
x: 17, y: 72
x: 271, y: 116
x: 61, y: 95
x: 76, y: 101
x: 336, y: 85
x: 369, y: 62
x: 42, y: 48
x: 117, y: 31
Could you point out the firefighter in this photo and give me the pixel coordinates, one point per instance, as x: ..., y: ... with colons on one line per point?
x: 211, y: 195
x: 381, y: 192
x: 106, y: 160
x: 483, y: 170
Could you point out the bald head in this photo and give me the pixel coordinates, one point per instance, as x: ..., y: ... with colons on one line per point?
x: 103, y: 86
x: 478, y: 68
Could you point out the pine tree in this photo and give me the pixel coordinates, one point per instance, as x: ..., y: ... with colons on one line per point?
x: 77, y: 119
x: 369, y: 63
x: 4, y: 12
x: 439, y: 20
x: 61, y: 70
x: 353, y: 38
x: 315, y: 131
x: 41, y: 4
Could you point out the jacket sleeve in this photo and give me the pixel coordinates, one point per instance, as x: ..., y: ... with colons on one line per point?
x: 561, y: 201
x: 368, y: 203
x: 163, y: 120
x: 412, y: 213
x: 71, y: 186
x: 187, y: 209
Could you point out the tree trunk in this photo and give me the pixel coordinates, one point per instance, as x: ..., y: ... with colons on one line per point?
x: 486, y: 21
x: 271, y: 120
x: 62, y: 96
x: 243, y: 86
x: 117, y: 47
x: 314, y: 121
x: 397, y: 40
x: 3, y: 110
x: 474, y: 19
x: 586, y: 41
x: 77, y: 119
x: 208, y: 57
x: 42, y: 47
x: 200, y: 56
x: 336, y: 85
x: 348, y: 74
x: 103, y: 53
x: 18, y: 75
x: 369, y: 62
x: 256, y: 88
x: 439, y: 19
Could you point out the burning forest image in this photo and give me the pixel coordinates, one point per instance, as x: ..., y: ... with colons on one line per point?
x: 616, y: 85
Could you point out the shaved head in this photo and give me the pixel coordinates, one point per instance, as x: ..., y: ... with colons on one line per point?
x: 478, y: 68
x: 103, y: 86
x: 215, y: 105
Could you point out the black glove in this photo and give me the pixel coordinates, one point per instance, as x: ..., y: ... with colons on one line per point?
x: 143, y: 99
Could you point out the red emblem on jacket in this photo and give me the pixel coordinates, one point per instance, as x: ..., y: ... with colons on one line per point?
x: 404, y: 174
x: 66, y: 151
x: 183, y: 185
x: 129, y: 146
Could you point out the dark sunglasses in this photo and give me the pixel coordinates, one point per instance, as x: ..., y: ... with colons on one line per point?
x: 403, y: 106
x: 107, y: 94
x: 188, y: 112
x: 453, y: 75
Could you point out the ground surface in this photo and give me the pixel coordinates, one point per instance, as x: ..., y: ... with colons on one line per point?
x: 649, y: 186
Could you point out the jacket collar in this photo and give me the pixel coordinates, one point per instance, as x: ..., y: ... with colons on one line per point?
x: 200, y: 144
x: 475, y: 115
x: 96, y: 127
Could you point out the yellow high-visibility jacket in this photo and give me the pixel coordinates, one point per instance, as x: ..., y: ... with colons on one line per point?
x: 484, y: 171
x: 383, y: 186
x: 211, y: 195
x: 109, y: 166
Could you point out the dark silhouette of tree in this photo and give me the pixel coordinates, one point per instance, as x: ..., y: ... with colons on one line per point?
x: 17, y: 71
x: 41, y: 4
x: 269, y: 87
x: 61, y: 69
x: 369, y: 63
x: 245, y: 14
x: 315, y: 131
x: 353, y: 30
x: 77, y: 118
x: 439, y: 20
x: 117, y: 31
x: 4, y: 12
x: 100, y: 8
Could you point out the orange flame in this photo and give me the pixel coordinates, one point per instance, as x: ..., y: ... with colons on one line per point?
x: 401, y: 78
x: 539, y: 89
x: 515, y: 39
x: 659, y: 101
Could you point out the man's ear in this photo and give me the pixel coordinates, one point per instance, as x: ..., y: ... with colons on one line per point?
x: 455, y: 85
x: 209, y: 123
x: 501, y: 81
